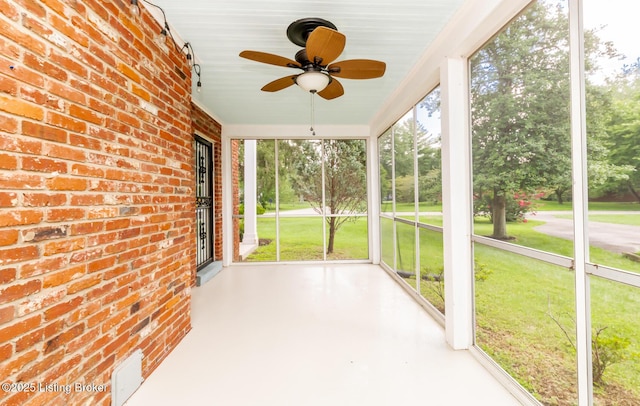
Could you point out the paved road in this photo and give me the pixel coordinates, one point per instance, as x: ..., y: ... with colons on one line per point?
x: 613, y: 237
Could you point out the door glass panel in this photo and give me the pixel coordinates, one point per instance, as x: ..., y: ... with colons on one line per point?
x: 205, y: 232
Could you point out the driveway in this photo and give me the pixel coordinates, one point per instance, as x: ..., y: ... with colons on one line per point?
x: 613, y: 237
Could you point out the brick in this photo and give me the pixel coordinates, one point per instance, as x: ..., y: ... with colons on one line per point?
x: 65, y: 91
x: 8, y: 199
x: 42, y: 266
x: 85, y: 114
x: 20, y: 181
x: 62, y: 277
x: 29, y: 340
x: 8, y: 161
x: 7, y: 314
x: 82, y: 341
x: 84, y: 283
x: 87, y: 200
x: 6, y: 351
x: 67, y: 63
x: 86, y: 255
x: 128, y: 72
x: 66, y: 183
x: 55, y: 215
x: 8, y: 124
x: 8, y: 237
x: 20, y: 108
x: 44, y: 233
x: 62, y: 121
x: 40, y: 301
x: 44, y: 199
x: 64, y: 152
x: 44, y: 132
x: 40, y: 366
x: 85, y: 142
x: 67, y: 245
x: 23, y: 145
x: 77, y: 35
x: 18, y: 291
x: 101, y: 264
x: 20, y: 218
x: 8, y: 9
x: 87, y: 228
x: 62, y: 308
x: 117, y: 224
x: 20, y: 328
x: 63, y: 338
x: 87, y: 170
x: 43, y: 165
x: 15, y: 255
x: 20, y: 37
x: 98, y: 318
x: 41, y: 64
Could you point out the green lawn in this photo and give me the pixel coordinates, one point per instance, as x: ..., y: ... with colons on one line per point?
x: 301, y: 240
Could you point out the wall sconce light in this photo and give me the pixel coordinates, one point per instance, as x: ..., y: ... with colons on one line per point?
x: 134, y: 8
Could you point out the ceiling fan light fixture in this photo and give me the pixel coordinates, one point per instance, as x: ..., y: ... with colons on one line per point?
x: 313, y: 81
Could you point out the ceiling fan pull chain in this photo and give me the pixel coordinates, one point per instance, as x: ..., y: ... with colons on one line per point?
x: 313, y: 113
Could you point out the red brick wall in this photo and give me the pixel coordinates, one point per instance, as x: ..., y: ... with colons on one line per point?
x: 205, y: 126
x: 96, y: 195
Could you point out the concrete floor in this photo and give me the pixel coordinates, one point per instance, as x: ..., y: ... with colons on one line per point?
x: 314, y: 335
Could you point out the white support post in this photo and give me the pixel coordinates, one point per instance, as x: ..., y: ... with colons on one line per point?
x: 373, y: 182
x: 580, y: 201
x: 227, y: 203
x: 457, y: 203
x: 250, y: 236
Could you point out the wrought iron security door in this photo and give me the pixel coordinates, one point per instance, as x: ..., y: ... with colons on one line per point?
x: 205, y: 234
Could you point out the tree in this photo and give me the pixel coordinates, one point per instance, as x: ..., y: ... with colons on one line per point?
x: 345, y: 186
x: 624, y: 129
x: 520, y: 112
x: 520, y: 109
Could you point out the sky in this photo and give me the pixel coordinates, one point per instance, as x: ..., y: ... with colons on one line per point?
x: 620, y: 21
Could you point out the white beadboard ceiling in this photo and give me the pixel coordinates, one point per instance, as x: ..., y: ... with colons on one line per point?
x: 396, y: 32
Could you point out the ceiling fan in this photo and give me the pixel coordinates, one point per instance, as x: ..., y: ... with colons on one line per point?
x: 322, y: 45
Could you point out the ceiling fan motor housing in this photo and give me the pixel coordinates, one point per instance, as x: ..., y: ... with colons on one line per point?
x: 299, y: 30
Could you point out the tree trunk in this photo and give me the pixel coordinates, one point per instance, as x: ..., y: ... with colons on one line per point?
x: 499, y: 215
x: 332, y: 234
x: 633, y: 191
x: 559, y: 193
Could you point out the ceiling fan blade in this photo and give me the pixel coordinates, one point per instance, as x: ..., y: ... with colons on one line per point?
x: 279, y: 84
x: 357, y: 69
x: 333, y: 90
x: 325, y: 45
x: 271, y: 59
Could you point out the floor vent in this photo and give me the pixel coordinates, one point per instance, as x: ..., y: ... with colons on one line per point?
x: 126, y: 379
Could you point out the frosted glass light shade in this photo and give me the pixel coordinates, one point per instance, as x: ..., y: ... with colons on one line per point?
x: 312, y: 81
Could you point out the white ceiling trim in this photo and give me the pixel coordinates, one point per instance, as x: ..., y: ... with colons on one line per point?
x: 473, y: 25
x: 249, y: 131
